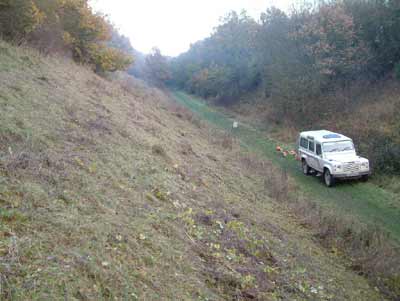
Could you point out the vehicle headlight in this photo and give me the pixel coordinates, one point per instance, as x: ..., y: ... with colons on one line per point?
x: 337, y: 167
x: 365, y: 165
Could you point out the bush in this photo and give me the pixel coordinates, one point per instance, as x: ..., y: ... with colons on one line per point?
x: 385, y: 154
x: 107, y: 59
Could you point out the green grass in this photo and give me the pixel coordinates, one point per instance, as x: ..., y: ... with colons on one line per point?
x: 370, y: 204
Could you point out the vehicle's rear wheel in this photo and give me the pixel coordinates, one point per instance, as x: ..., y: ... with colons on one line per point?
x: 365, y: 178
x: 305, y: 167
x: 328, y: 178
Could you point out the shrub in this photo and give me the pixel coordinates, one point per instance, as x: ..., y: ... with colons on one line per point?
x: 107, y: 59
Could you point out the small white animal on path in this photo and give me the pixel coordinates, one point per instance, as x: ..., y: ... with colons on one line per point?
x: 235, y: 125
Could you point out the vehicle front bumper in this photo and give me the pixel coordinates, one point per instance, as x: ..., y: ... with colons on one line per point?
x: 352, y: 175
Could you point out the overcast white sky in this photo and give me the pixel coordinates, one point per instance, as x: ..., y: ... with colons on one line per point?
x: 172, y: 25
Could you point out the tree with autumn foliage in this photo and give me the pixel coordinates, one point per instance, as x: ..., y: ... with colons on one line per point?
x: 308, y: 54
x: 87, y: 33
x: 331, y: 42
x: 70, y: 25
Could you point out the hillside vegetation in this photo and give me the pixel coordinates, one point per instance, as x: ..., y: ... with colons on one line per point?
x: 324, y: 65
x: 108, y: 191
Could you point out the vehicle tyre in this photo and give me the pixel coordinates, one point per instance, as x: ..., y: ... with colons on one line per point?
x: 328, y: 178
x: 364, y: 178
x: 306, y: 169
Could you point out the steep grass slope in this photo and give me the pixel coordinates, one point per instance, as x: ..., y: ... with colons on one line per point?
x: 109, y: 192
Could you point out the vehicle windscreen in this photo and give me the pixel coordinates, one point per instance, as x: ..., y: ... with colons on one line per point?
x: 341, y: 146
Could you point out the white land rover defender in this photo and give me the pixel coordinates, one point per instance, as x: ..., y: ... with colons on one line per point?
x: 332, y: 155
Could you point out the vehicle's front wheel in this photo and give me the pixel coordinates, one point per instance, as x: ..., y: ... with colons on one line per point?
x: 305, y: 167
x: 328, y: 178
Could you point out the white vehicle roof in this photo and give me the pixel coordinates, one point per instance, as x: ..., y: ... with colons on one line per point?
x: 324, y: 136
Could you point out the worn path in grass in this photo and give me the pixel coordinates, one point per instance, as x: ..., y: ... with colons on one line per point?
x: 369, y: 203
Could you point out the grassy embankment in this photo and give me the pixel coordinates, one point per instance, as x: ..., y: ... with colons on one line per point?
x: 109, y: 192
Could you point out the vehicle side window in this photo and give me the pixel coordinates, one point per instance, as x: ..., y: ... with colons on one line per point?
x: 319, y: 149
x: 311, y: 146
x: 304, y: 142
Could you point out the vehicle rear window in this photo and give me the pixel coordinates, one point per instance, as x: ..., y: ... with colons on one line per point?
x: 311, y: 146
x: 304, y: 142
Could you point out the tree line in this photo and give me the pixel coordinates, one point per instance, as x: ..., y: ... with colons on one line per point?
x: 293, y: 56
x: 68, y: 26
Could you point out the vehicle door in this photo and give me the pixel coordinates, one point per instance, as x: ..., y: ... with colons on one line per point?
x: 319, y: 157
x: 312, y: 156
